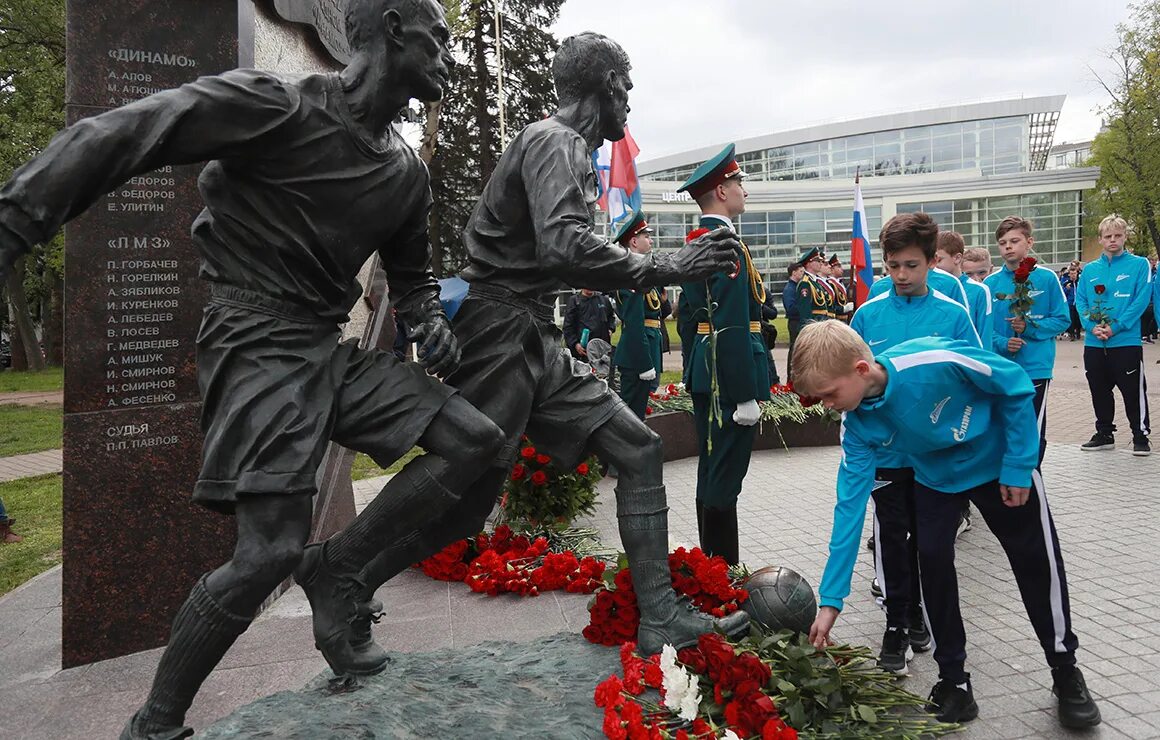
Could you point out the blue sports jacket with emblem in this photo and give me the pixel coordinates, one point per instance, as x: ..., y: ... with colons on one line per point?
x: 964, y: 417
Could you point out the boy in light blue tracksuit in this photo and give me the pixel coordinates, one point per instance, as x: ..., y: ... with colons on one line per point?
x: 1116, y: 288
x: 949, y: 253
x: 966, y: 419
x: 909, y: 309
x: 1031, y: 342
x: 940, y: 280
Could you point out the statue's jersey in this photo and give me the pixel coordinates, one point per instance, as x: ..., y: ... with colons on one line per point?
x: 531, y: 231
x: 297, y: 196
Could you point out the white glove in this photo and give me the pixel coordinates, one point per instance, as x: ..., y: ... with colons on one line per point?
x: 747, y: 413
x: 650, y: 374
x: 849, y: 307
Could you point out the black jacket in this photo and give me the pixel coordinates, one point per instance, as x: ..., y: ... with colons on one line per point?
x: 594, y: 313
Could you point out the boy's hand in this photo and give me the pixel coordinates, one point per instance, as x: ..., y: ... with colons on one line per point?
x: 1018, y: 325
x: 1014, y: 344
x: 1014, y: 495
x: 820, y: 629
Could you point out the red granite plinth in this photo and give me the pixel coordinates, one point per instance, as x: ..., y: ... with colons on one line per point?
x: 680, y: 436
x: 133, y: 542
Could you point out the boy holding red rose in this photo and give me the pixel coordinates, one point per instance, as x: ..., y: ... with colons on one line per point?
x: 1112, y: 295
x: 1030, y: 310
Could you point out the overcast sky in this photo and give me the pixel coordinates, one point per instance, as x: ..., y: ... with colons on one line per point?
x: 709, y: 71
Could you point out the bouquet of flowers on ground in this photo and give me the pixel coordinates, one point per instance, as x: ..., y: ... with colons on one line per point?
x: 506, y: 562
x: 769, y: 686
x: 613, y: 616
x: 539, y: 495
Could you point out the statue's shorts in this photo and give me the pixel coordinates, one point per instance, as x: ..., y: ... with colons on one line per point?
x: 516, y: 370
x: 276, y: 387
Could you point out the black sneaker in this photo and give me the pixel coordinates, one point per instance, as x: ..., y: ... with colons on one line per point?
x: 876, y: 588
x: 895, y: 651
x: 964, y: 522
x: 949, y: 703
x: 1141, y: 448
x: 1099, y: 442
x: 1076, y: 706
x: 920, y: 639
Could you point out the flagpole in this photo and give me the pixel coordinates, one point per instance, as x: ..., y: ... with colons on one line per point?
x: 853, y: 269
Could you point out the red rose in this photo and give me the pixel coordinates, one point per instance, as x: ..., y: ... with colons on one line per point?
x: 528, y: 453
x: 775, y: 729
x: 718, y: 653
x: 693, y: 658
x: 539, y: 478
x: 647, y: 410
x: 518, y: 472
x: 1100, y: 289
x: 543, y: 459
x: 582, y: 468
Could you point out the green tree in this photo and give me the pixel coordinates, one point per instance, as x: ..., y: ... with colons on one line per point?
x: 1128, y: 150
x: 466, y: 144
x: 32, y: 65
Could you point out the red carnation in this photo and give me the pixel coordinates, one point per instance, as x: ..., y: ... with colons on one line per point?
x: 543, y: 459
x: 518, y: 472
x: 608, y: 693
x: 539, y: 478
x: 582, y: 468
x: 528, y: 453
x: 1100, y: 289
x: 696, y: 233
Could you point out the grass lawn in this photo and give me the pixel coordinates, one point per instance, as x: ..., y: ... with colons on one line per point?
x: 25, y: 429
x: 49, y: 379
x: 364, y: 467
x: 35, y: 505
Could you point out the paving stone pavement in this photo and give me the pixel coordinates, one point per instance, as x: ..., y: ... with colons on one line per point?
x: 33, y: 398
x: 26, y: 466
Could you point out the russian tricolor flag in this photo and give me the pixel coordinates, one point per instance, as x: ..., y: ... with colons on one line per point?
x: 861, y: 264
x: 615, y: 164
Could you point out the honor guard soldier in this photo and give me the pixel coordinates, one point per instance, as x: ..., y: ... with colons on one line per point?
x: 728, y: 354
x: 843, y: 309
x: 815, y: 298
x: 638, y: 353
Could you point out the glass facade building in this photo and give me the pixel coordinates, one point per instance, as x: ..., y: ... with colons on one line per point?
x: 992, y: 146
x: 967, y: 166
x: 1055, y: 216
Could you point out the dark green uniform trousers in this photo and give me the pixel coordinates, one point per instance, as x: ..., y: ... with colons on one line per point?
x: 719, y: 476
x: 634, y: 391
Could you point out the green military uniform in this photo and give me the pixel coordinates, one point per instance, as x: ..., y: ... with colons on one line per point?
x: 639, y: 347
x: 739, y: 360
x: 815, y: 299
